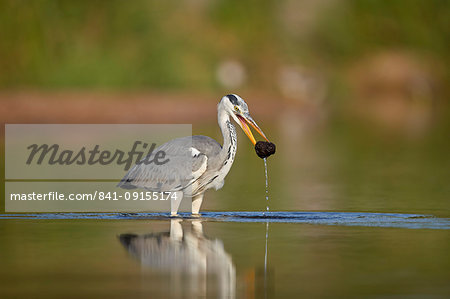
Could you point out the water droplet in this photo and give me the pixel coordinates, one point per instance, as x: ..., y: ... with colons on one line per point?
x: 267, y: 185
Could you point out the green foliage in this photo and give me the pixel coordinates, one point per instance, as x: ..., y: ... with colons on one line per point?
x: 98, y: 44
x: 179, y: 44
x: 361, y: 26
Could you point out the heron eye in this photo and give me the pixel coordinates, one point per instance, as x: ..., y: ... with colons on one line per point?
x: 236, y: 108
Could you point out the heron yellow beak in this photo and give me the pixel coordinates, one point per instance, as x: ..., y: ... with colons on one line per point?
x: 247, y: 119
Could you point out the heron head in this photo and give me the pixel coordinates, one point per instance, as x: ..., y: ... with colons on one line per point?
x: 237, y: 108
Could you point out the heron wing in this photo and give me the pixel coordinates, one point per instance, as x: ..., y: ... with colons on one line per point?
x: 206, y: 145
x: 184, y: 164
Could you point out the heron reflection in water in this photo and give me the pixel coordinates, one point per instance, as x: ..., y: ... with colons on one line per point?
x: 192, y: 260
x: 195, y: 163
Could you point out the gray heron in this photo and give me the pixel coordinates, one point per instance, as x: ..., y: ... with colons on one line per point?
x: 197, y: 163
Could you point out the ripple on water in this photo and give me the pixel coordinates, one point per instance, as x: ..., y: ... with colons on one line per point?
x: 411, y: 221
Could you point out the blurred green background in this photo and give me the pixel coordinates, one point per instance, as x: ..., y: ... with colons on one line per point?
x: 181, y: 44
x: 355, y: 93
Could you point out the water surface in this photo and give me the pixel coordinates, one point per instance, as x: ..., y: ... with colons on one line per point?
x: 350, y: 216
x: 224, y: 254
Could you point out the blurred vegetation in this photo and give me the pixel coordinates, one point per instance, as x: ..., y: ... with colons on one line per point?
x: 359, y: 27
x: 179, y: 44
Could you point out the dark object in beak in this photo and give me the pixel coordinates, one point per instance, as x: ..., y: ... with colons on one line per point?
x: 264, y: 149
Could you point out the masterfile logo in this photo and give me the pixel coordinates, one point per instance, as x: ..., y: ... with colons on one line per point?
x: 76, y: 168
x: 52, y: 154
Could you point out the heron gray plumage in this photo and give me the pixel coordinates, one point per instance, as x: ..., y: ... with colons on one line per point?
x: 195, y: 163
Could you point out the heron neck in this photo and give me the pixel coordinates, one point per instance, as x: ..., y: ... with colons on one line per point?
x: 229, y: 135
